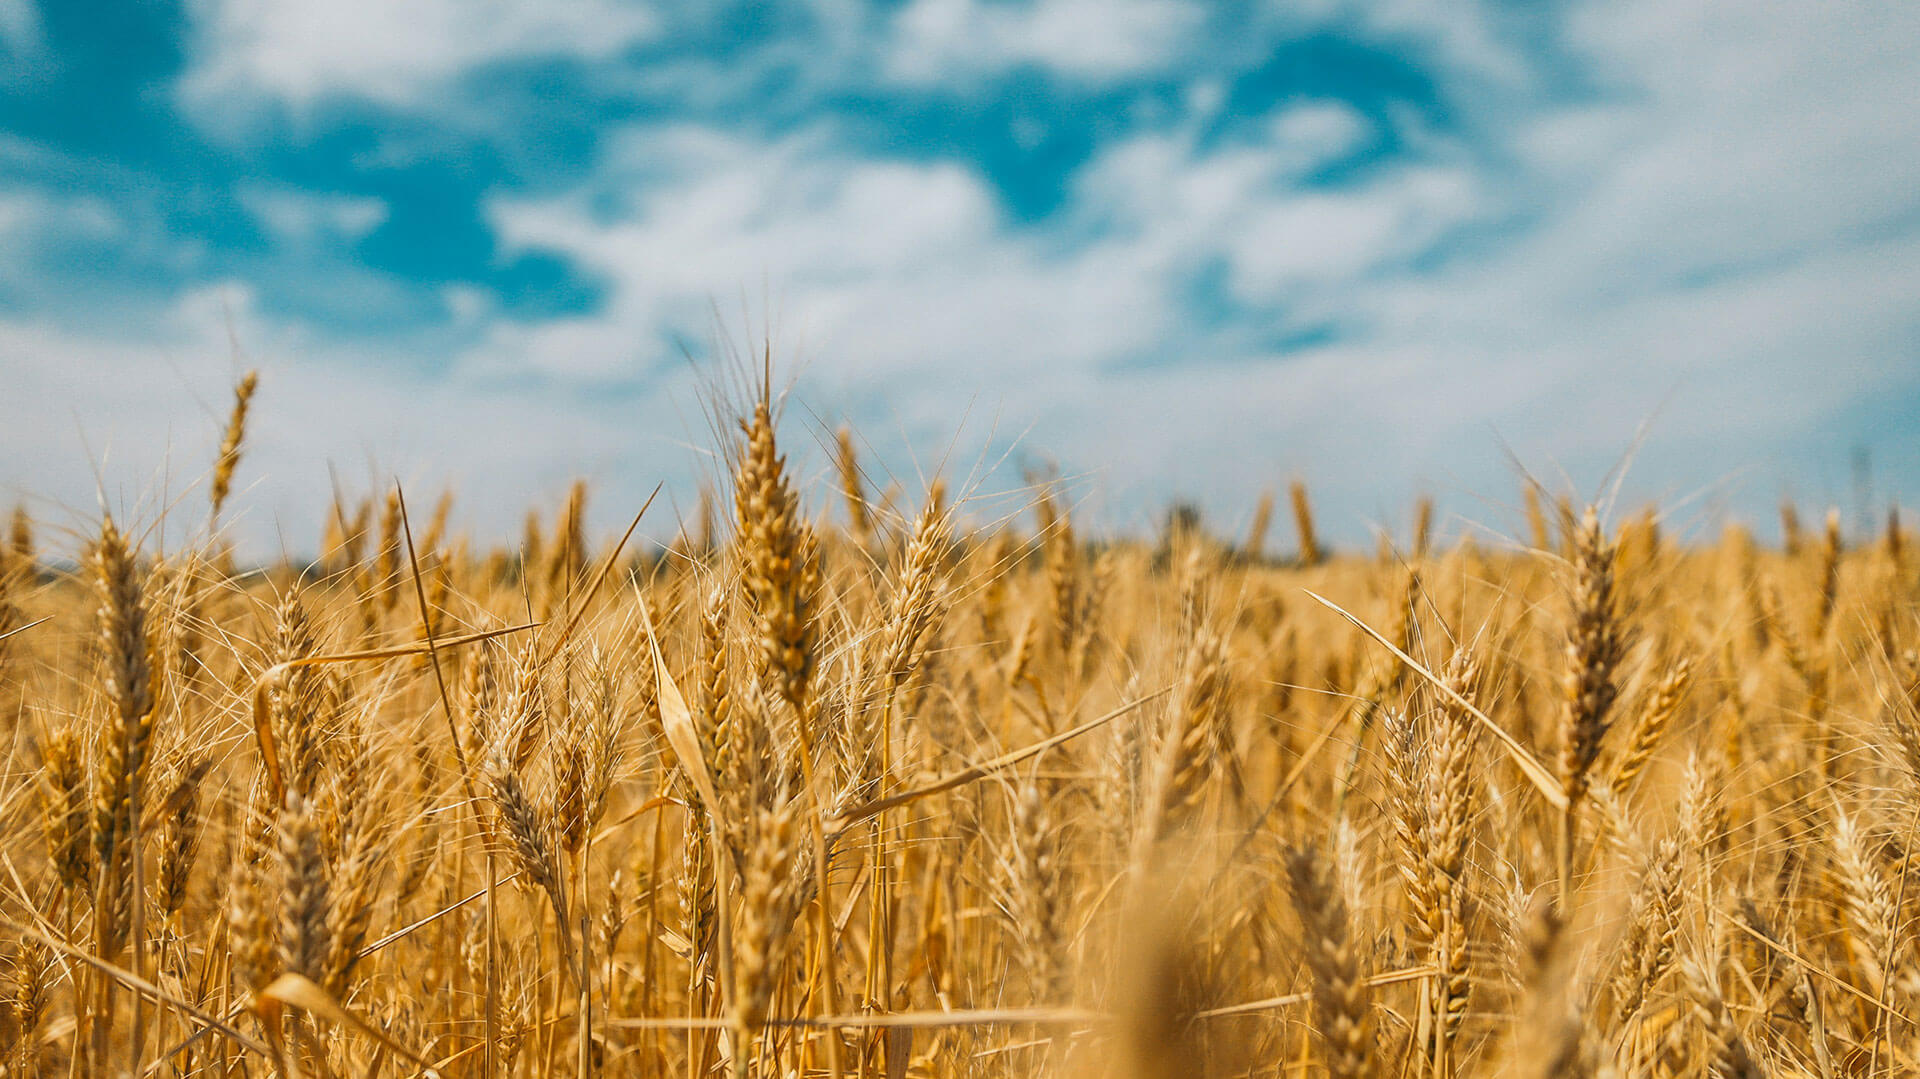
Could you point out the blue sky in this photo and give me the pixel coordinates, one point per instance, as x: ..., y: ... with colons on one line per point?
x: 1181, y: 249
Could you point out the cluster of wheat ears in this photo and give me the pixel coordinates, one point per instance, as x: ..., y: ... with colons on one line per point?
x: 915, y: 794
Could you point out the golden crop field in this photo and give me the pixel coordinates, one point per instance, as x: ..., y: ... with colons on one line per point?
x: 844, y: 785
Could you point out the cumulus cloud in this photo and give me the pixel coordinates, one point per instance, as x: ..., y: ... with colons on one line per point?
x: 394, y: 52
x: 910, y: 271
x: 304, y: 217
x: 20, y: 26
x: 28, y: 216
x: 933, y: 40
x: 727, y: 214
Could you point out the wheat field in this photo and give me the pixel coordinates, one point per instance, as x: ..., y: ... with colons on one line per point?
x: 848, y: 782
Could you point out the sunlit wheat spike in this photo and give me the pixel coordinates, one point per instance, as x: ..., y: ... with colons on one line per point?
x: 778, y: 556
x: 229, y: 459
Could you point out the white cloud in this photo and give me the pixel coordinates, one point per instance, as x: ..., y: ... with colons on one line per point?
x: 1725, y: 375
x: 1469, y: 39
x: 20, y: 26
x: 139, y: 415
x: 390, y: 51
x: 33, y: 222
x: 826, y: 234
x: 303, y: 217
x: 26, y: 214
x: 1769, y: 129
x: 1097, y: 40
x: 1333, y: 239
x: 1318, y: 131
